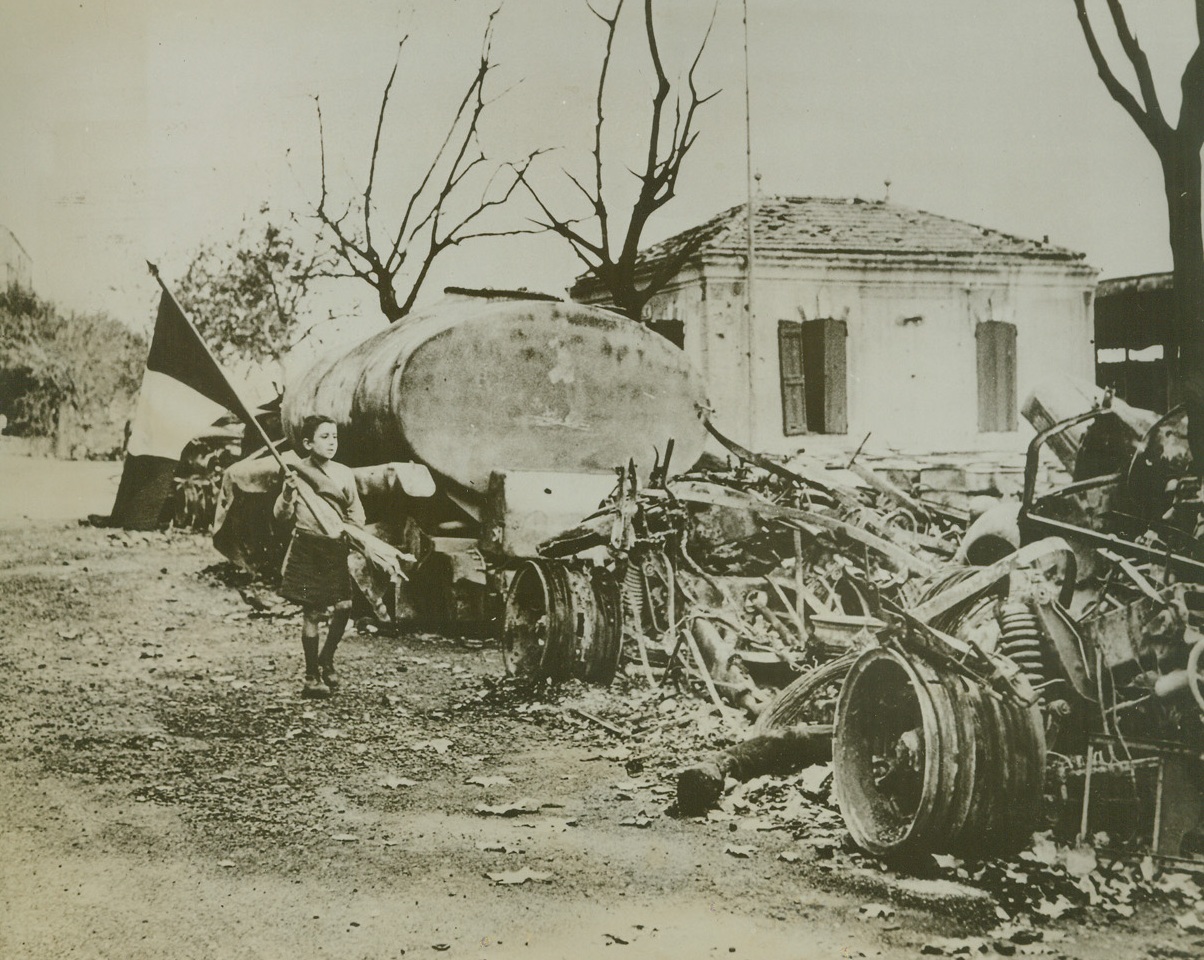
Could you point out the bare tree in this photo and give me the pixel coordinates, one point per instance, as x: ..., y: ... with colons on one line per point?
x: 612, y: 255
x: 1178, y: 148
x: 429, y: 223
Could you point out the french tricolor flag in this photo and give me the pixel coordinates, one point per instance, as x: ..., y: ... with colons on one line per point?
x: 183, y: 391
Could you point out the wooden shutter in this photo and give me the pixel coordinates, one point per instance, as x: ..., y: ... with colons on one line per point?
x: 825, y: 371
x: 836, y: 370
x: 790, y: 362
x: 996, y: 376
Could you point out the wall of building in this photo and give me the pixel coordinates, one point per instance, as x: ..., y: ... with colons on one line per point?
x: 911, y: 349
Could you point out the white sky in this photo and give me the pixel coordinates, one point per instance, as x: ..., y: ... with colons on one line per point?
x: 141, y: 129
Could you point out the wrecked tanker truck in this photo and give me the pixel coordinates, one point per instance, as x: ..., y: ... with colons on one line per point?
x: 477, y: 427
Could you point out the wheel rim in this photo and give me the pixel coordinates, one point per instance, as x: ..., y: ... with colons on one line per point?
x: 525, y: 631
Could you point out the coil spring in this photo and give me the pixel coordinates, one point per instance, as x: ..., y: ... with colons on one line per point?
x: 633, y: 594
x: 1022, y: 641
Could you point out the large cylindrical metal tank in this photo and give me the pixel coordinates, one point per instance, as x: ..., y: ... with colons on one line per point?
x: 474, y: 384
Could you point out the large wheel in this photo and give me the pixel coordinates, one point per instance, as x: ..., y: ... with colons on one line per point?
x: 562, y: 621
x: 931, y: 762
x: 525, y: 625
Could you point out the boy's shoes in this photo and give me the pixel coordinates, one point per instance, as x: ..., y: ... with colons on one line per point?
x: 330, y: 677
x: 315, y: 689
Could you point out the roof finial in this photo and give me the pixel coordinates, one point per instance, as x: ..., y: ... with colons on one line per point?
x: 886, y: 182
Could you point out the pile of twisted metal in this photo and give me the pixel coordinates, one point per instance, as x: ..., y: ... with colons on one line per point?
x: 975, y: 678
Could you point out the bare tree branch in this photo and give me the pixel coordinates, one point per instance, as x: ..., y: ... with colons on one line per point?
x: 458, y: 159
x: 486, y: 204
x: 567, y: 228
x: 380, y: 122
x: 598, y: 199
x: 1191, y: 109
x: 1120, y: 93
x: 584, y: 191
x: 662, y: 90
x: 1141, y: 64
x: 345, y: 247
x: 616, y: 270
x: 470, y: 93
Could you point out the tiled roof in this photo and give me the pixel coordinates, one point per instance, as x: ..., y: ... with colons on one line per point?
x: 818, y: 225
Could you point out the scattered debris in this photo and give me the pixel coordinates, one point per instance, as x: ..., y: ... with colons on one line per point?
x: 954, y: 947
x: 598, y: 720
x: 392, y: 783
x: 491, y: 781
x: 781, y: 751
x: 512, y: 878
x: 1061, y: 657
x: 499, y: 846
x: 617, y: 755
x: 514, y: 809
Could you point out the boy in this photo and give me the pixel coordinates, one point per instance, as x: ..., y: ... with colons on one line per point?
x: 315, y: 571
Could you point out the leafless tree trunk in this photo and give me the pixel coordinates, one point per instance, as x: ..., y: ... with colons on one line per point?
x: 428, y: 225
x: 612, y: 255
x: 1178, y: 151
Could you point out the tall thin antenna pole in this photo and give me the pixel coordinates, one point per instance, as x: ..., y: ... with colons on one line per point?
x: 749, y: 253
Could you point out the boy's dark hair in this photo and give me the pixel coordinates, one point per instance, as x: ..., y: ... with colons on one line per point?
x: 309, y: 426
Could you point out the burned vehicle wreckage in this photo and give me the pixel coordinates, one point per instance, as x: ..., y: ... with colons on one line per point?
x: 968, y: 705
x: 970, y: 682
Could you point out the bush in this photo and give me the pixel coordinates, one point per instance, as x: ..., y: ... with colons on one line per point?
x: 72, y: 379
x: 249, y: 296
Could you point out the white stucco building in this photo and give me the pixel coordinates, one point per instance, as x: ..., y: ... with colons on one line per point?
x: 16, y: 269
x: 868, y: 316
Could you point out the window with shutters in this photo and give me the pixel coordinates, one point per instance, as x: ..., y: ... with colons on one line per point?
x: 996, y: 342
x: 812, y: 357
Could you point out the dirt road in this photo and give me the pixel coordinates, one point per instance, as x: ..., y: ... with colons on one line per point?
x: 165, y: 792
